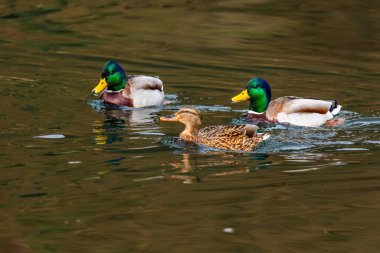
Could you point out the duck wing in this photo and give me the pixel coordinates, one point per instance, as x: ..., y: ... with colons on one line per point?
x: 302, y: 111
x: 145, y: 90
x: 233, y: 137
x: 145, y: 83
x: 228, y: 131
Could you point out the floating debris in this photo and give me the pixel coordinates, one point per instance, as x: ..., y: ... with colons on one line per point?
x: 74, y: 162
x: 228, y: 230
x: 301, y: 170
x: 50, y: 136
x: 147, y: 179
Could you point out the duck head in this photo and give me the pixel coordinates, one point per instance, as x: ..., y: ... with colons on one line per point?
x: 258, y: 92
x: 113, y: 78
x: 190, y: 117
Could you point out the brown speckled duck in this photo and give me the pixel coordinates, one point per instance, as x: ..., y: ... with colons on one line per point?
x: 232, y: 137
x: 292, y: 110
x: 136, y: 91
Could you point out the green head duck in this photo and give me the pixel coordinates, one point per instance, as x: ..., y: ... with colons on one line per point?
x: 258, y: 92
x: 112, y: 78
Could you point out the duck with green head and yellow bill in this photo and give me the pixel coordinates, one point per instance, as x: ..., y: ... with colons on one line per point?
x: 232, y: 137
x: 115, y: 87
x: 292, y: 110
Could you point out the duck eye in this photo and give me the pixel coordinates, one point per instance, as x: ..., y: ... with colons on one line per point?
x: 104, y: 74
x: 255, y: 86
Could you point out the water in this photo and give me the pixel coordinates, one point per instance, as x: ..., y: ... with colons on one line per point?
x: 77, y: 176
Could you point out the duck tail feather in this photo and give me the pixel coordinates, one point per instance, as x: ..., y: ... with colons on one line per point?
x: 250, y: 130
x: 336, y: 110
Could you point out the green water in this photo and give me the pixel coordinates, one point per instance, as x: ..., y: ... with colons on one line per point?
x: 115, y: 182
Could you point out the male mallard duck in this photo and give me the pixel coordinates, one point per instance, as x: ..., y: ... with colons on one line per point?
x: 233, y: 137
x: 292, y: 110
x: 137, y: 91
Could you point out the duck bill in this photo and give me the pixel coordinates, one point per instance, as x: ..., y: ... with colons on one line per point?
x: 241, y: 97
x: 169, y: 118
x: 100, y: 87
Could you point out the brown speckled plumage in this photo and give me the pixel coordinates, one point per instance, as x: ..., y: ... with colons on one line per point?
x: 231, y: 137
x: 228, y: 137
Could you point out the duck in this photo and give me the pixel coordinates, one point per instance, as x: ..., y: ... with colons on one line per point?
x: 291, y: 110
x: 115, y: 87
x: 231, y: 137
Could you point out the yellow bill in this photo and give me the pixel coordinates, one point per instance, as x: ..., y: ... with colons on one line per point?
x: 241, y: 97
x: 100, y: 87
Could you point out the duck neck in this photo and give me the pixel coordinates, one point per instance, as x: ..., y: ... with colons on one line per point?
x: 117, y: 87
x: 190, y: 133
x: 259, y: 105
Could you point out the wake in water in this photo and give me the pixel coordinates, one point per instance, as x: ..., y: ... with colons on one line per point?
x: 357, y: 133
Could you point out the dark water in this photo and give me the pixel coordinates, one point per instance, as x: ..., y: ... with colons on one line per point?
x: 111, y: 180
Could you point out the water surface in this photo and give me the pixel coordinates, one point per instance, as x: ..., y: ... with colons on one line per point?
x: 77, y: 176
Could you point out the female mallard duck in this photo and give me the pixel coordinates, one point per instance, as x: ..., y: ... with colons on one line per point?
x: 233, y: 137
x: 292, y: 110
x: 137, y: 91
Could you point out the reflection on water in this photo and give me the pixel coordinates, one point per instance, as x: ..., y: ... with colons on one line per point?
x: 134, y: 116
x: 181, y: 169
x: 119, y: 180
x: 117, y: 119
x: 195, y: 166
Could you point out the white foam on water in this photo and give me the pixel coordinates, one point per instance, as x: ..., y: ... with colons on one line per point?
x: 301, y: 170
